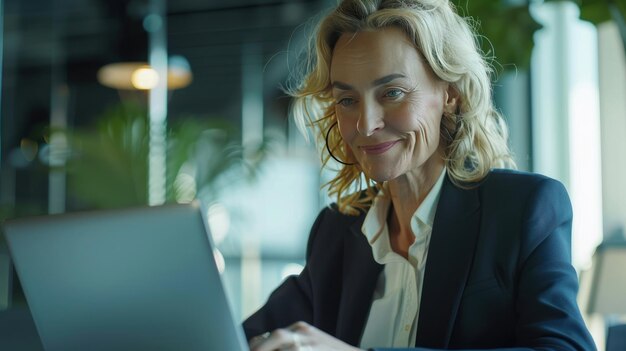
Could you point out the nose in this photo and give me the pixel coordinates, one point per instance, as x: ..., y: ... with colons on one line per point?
x: 370, y: 119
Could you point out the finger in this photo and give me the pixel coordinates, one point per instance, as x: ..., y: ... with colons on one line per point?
x: 257, y: 340
x: 277, y: 340
x: 301, y: 327
x: 302, y: 336
x: 296, y: 340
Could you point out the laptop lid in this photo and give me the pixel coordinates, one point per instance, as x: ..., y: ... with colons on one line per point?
x: 133, y: 279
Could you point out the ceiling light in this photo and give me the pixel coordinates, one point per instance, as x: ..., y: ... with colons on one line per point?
x: 144, y: 78
x: 140, y: 76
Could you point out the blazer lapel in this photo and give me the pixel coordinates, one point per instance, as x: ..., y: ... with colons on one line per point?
x: 360, y: 272
x: 450, y: 255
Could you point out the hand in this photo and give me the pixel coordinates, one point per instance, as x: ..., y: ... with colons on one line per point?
x: 299, y: 336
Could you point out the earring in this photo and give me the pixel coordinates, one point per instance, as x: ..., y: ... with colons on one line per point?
x: 328, y: 147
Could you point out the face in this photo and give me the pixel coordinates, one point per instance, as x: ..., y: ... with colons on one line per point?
x: 389, y: 103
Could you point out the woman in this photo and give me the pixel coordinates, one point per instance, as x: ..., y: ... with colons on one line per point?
x: 440, y: 250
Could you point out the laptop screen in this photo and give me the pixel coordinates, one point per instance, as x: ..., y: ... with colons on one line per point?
x: 134, y: 279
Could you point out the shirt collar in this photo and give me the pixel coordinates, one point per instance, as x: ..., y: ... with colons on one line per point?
x: 426, y: 211
x: 375, y: 222
x: 376, y: 218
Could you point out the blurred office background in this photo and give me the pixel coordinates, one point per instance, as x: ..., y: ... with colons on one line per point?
x: 108, y: 104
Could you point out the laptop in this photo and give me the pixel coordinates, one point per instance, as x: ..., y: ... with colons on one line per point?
x: 132, y: 279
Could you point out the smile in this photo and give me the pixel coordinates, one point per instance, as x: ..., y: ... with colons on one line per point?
x: 378, y: 148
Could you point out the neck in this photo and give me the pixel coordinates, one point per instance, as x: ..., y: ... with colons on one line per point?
x: 407, y: 194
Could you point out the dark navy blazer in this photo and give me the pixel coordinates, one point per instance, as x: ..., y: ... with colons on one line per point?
x: 498, y: 273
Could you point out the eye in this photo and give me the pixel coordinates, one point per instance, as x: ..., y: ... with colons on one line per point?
x: 393, y: 93
x: 345, y: 102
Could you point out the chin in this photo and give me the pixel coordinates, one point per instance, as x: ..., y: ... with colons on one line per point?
x: 381, y: 175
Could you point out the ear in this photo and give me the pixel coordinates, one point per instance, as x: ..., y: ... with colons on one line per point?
x: 452, y: 99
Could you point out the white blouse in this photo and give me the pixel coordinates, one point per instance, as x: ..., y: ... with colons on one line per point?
x: 392, y: 320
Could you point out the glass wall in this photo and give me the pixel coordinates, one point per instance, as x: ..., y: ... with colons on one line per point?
x: 84, y: 126
x: 110, y: 104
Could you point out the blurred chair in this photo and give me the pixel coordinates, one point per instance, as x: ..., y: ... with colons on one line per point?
x: 603, y: 290
x: 616, y: 338
x: 606, y: 281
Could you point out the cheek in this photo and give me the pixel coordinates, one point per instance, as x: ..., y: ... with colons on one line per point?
x: 347, y: 128
x: 347, y: 131
x: 415, y: 118
x: 402, y: 118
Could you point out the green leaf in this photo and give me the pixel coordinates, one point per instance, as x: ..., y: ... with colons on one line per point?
x: 508, y: 30
x: 109, y: 163
x: 597, y: 11
x: 108, y: 167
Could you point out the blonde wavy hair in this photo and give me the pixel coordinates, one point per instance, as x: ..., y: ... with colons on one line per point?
x: 475, y: 137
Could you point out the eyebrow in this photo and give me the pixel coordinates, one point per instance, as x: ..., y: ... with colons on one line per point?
x: 380, y: 81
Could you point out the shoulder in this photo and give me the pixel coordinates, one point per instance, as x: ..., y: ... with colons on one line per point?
x: 330, y: 229
x: 330, y: 216
x: 529, y: 204
x: 525, y: 188
x: 518, y: 179
x: 538, y: 204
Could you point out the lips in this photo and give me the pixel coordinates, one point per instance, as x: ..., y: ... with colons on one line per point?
x: 378, y: 148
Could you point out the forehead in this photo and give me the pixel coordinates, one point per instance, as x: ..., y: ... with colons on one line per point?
x: 373, y: 53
